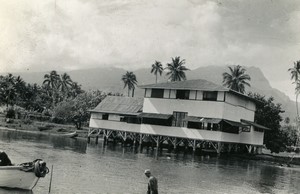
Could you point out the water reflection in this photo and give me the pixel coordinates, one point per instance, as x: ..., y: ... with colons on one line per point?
x: 82, y: 168
x: 57, y: 141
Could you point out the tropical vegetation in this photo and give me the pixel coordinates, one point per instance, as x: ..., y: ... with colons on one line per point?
x: 130, y: 81
x: 58, y: 98
x: 236, y: 79
x: 295, y: 77
x: 157, y: 68
x: 176, y: 69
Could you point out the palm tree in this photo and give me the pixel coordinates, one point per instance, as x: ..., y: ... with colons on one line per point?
x: 75, y: 89
x: 176, y: 69
x: 65, y: 84
x: 236, y: 79
x: 52, y: 81
x: 157, y: 68
x: 130, y: 81
x: 295, y: 75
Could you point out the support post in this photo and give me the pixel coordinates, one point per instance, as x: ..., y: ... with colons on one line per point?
x: 141, y: 139
x: 194, y: 145
x: 134, y: 140
x: 219, y: 148
x: 175, y: 143
x: 229, y: 147
x: 97, y: 137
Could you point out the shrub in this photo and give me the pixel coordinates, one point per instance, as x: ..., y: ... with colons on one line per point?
x: 58, y: 120
x: 44, y: 128
x: 11, y: 114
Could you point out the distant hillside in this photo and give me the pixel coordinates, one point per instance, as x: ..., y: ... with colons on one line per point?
x: 109, y: 80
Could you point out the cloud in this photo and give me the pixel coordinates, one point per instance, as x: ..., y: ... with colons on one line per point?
x: 41, y: 35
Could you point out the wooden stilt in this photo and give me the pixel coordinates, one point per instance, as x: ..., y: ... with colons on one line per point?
x: 219, y: 148
x: 97, y: 137
x: 194, y: 146
x: 175, y: 143
x: 229, y: 147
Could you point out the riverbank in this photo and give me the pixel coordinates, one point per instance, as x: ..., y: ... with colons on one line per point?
x: 40, y: 127
x: 276, y: 160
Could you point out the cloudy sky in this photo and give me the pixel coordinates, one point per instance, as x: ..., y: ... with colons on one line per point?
x: 41, y: 35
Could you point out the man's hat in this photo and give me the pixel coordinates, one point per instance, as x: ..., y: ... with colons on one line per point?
x: 147, y: 171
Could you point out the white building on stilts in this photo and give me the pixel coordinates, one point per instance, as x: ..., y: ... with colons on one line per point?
x: 197, y: 113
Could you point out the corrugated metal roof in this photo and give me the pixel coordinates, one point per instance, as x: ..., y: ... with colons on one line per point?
x: 202, y: 120
x: 211, y: 120
x: 199, y: 84
x: 236, y: 124
x: 121, y: 105
x: 193, y: 119
x: 254, y: 124
x: 155, y: 115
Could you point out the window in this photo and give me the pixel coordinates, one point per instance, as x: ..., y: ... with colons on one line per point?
x: 105, y: 117
x: 157, y: 93
x: 178, y: 120
x: 258, y: 129
x: 182, y: 94
x: 211, y: 96
x: 194, y: 125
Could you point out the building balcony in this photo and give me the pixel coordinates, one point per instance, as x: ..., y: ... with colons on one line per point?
x: 252, y: 137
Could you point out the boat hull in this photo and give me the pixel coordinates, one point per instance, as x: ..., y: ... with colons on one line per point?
x: 14, y: 177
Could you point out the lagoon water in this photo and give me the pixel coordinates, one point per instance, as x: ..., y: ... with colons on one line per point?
x: 82, y: 168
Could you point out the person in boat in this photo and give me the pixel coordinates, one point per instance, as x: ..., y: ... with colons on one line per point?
x: 152, y: 184
x: 4, y: 159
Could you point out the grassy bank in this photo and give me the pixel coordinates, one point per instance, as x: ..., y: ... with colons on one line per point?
x: 41, y: 127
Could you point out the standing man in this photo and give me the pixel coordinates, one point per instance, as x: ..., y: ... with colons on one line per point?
x: 152, y: 184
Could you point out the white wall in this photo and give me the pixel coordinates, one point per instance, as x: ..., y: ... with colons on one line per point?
x: 239, y: 101
x: 199, y: 95
x: 253, y: 137
x: 248, y: 138
x: 210, y: 109
x: 193, y: 107
x: 236, y: 113
x: 173, y: 94
x: 96, y: 115
x: 148, y: 92
x: 114, y: 117
x: 166, y: 93
x: 220, y: 96
x: 192, y: 94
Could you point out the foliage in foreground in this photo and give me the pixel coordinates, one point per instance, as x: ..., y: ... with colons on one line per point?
x: 268, y: 115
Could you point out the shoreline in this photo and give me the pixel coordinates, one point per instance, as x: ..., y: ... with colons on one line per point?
x: 82, y: 134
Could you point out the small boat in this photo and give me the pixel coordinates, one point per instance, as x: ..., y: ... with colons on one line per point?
x: 23, y: 176
x: 71, y: 135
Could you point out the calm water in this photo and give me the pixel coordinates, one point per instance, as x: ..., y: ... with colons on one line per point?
x: 82, y: 168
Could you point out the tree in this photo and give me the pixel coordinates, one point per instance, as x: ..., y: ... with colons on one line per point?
x: 295, y: 75
x: 76, y: 110
x: 75, y: 90
x: 157, y: 68
x: 130, y: 81
x: 9, y: 86
x: 236, y: 79
x: 176, y: 69
x: 52, y: 81
x: 65, y: 84
x: 268, y: 114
